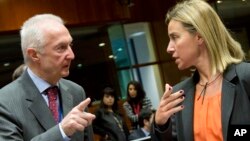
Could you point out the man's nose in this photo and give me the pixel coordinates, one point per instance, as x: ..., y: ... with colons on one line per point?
x: 71, y: 54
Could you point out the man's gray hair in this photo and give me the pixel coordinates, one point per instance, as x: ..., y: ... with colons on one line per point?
x: 32, y: 35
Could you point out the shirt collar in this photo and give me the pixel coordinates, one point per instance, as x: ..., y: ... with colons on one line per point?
x: 145, y: 132
x: 39, y: 82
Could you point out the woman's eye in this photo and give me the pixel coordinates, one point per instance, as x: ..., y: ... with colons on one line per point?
x: 174, y: 37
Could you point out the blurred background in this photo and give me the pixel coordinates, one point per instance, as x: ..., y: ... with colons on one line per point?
x: 115, y: 41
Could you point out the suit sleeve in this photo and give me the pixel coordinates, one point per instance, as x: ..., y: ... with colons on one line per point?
x: 11, y: 129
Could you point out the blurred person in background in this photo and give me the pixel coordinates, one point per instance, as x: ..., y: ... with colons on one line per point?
x: 145, y: 120
x: 136, y: 101
x: 109, y: 122
x: 18, y: 71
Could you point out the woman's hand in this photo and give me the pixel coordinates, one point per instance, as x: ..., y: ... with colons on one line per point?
x: 169, y: 104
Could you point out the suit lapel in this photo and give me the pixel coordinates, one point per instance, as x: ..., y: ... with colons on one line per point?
x: 66, y: 99
x: 36, y: 103
x: 39, y: 108
x: 41, y: 111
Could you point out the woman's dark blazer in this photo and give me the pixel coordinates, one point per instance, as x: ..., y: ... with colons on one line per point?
x: 235, y: 105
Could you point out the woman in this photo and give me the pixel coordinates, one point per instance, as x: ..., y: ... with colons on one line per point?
x: 217, y: 95
x: 136, y: 100
x: 109, y: 122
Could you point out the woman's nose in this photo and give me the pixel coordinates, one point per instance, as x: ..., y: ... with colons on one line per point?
x: 170, y: 47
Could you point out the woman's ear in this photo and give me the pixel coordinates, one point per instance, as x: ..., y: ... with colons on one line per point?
x: 200, y: 39
x: 32, y: 53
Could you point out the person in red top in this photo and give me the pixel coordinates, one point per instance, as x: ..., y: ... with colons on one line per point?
x: 136, y: 100
x: 205, y: 105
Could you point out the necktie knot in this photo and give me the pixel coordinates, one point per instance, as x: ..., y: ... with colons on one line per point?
x: 52, y: 91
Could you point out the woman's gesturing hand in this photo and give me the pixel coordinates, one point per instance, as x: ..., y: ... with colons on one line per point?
x: 169, y: 104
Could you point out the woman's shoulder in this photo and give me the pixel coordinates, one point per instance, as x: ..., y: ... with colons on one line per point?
x: 146, y: 102
x: 245, y: 65
x: 99, y: 110
x: 242, y: 70
x: 146, y: 98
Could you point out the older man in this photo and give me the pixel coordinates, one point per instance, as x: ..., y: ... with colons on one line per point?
x: 40, y: 105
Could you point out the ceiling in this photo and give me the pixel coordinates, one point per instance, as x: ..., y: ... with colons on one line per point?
x: 234, y: 12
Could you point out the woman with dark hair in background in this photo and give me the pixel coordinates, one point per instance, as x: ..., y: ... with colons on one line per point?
x: 109, y: 122
x: 136, y: 100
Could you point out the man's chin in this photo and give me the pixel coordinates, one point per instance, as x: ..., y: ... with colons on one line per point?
x: 65, y: 74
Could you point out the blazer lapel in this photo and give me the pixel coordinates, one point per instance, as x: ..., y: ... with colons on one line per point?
x: 184, y: 119
x: 227, y: 100
x: 187, y: 114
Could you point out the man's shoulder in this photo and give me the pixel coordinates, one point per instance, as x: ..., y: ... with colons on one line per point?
x: 11, y: 92
x: 71, y: 87
x: 69, y: 83
x: 9, y: 87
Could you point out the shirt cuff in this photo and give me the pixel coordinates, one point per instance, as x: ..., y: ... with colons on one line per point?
x: 65, y: 137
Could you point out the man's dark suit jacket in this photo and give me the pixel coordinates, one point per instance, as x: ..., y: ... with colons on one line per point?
x: 25, y: 116
x: 235, y: 104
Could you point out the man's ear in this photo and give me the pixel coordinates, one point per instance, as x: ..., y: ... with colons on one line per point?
x: 33, y: 55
